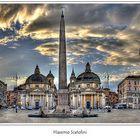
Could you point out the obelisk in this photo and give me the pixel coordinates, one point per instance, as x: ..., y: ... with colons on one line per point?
x: 62, y: 55
x: 62, y: 104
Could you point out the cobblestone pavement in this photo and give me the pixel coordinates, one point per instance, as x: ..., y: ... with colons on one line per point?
x: 115, y: 116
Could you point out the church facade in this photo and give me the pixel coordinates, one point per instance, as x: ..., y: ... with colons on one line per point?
x: 38, y: 91
x: 85, y: 91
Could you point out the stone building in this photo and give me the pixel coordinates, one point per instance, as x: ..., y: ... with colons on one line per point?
x: 12, y: 98
x: 129, y: 91
x: 112, y: 97
x: 85, y: 90
x: 3, y: 89
x: 38, y: 91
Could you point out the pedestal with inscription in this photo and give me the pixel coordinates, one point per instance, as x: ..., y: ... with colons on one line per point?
x: 63, y: 100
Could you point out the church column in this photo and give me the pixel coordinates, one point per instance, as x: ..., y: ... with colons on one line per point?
x: 42, y: 100
x: 78, y: 100
x: 51, y: 100
x: 95, y: 101
x: 47, y: 99
x: 75, y: 101
x: 98, y: 100
x: 84, y: 100
x: 73, y: 104
x: 81, y: 100
x: 75, y: 97
x: 40, y: 103
x: 91, y: 98
x: 101, y: 101
x: 32, y: 101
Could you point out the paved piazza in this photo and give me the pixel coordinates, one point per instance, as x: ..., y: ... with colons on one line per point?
x: 116, y: 116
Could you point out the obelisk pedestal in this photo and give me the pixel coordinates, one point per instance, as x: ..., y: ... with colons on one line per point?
x: 63, y: 99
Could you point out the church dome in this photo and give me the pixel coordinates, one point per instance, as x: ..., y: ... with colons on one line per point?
x: 36, y: 78
x: 88, y: 76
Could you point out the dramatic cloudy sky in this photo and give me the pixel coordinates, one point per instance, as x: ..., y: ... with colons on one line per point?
x: 107, y: 36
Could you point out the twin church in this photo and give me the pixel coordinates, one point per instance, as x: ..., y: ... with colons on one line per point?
x: 83, y: 90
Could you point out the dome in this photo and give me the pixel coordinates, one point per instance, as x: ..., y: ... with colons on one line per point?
x: 36, y: 78
x: 88, y: 76
x: 50, y: 75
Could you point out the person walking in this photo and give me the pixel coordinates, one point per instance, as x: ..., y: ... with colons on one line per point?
x: 16, y: 109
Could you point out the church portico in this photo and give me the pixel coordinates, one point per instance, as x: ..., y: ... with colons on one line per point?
x: 92, y: 101
x: 36, y: 100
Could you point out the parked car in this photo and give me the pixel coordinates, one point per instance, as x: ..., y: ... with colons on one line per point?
x: 107, y: 108
x: 121, y: 106
x: 23, y: 108
x: 29, y: 108
x: 124, y: 106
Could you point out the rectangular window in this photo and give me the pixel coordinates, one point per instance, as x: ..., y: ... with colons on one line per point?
x: 135, y: 90
x: 139, y: 100
x: 135, y: 82
x: 130, y: 100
